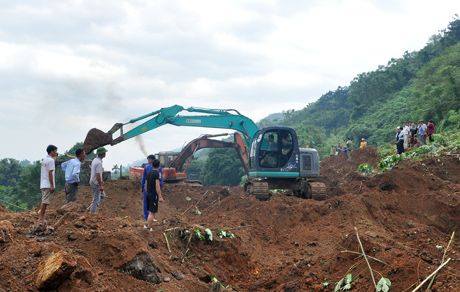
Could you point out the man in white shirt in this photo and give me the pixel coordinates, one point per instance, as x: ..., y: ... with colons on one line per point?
x: 47, y: 180
x: 406, y: 131
x: 96, y: 180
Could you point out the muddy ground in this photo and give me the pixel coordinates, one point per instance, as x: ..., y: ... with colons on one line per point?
x: 404, y: 218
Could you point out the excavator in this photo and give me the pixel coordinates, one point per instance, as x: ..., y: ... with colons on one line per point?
x: 271, y: 156
x: 175, y: 164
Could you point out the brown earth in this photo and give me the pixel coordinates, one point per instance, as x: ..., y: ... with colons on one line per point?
x: 94, y: 139
x: 404, y: 217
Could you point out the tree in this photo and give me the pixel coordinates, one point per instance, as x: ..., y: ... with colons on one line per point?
x: 195, y: 168
x: 222, y: 167
x: 10, y: 170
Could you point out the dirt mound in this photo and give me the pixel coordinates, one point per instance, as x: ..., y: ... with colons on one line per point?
x: 3, y: 208
x: 404, y: 218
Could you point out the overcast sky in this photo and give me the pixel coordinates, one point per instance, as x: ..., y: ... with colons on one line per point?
x: 69, y: 66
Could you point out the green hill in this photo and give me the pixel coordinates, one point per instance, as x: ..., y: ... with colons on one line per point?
x: 419, y: 85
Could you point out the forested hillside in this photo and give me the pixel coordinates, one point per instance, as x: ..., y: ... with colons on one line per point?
x: 419, y: 85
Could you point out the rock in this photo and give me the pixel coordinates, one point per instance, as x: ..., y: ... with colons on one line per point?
x: 166, y: 279
x: 76, y: 207
x: 178, y: 276
x: 55, y: 270
x: 38, y: 229
x: 142, y: 267
x: 72, y: 236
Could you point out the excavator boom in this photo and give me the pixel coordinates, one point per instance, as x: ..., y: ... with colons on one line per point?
x: 212, y: 118
x: 204, y: 142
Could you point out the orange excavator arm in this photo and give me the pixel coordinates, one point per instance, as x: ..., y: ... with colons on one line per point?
x: 204, y: 142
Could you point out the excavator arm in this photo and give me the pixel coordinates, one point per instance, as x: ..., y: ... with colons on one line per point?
x: 204, y: 142
x: 212, y: 118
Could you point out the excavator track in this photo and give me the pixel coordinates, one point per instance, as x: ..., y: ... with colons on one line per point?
x: 258, y: 188
x: 318, y: 191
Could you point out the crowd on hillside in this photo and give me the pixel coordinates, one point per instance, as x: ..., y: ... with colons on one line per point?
x: 335, y: 150
x: 409, y: 135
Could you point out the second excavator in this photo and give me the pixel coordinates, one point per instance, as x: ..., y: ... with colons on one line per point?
x: 271, y: 156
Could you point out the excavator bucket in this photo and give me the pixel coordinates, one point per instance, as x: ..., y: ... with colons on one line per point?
x: 95, y: 139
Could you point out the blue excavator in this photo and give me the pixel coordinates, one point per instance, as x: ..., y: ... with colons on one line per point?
x: 270, y: 156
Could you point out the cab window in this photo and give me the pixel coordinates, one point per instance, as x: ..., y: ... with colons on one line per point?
x: 286, y: 147
x: 269, y: 150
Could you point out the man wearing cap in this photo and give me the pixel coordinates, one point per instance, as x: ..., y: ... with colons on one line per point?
x: 363, y: 143
x: 71, y: 169
x: 96, y: 180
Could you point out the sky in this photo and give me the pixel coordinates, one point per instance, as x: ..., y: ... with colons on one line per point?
x: 69, y: 66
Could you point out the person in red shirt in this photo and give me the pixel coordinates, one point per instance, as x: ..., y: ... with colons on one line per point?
x: 430, y: 128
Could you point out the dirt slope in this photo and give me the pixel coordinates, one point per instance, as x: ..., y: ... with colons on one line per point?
x: 403, y: 217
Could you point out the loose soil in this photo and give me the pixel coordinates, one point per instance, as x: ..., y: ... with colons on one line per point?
x: 94, y: 139
x: 403, y: 216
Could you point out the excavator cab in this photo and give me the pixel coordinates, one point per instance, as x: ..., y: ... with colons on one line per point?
x: 277, y: 162
x: 275, y: 153
x: 169, y: 173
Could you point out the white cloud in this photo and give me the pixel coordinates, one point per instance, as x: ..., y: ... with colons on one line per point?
x: 70, y: 66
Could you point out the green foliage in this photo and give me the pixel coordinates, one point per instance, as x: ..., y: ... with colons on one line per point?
x: 386, y: 149
x: 10, y: 170
x: 243, y: 180
x: 344, y: 283
x: 198, y: 234
x: 222, y: 167
x: 444, y: 143
x: 366, y: 169
x: 20, y: 186
x: 419, y: 85
x: 195, y: 168
x: 388, y: 162
x: 383, y: 285
x: 224, y: 233
x: 208, y: 234
x: 71, y: 151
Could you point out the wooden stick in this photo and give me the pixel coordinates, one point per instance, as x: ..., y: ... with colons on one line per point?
x: 432, y: 274
x: 196, y: 203
x: 443, y: 257
x: 167, y: 242
x: 349, y: 251
x: 365, y: 257
x: 171, y: 229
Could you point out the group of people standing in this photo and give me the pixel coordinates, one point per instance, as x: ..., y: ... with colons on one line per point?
x: 71, y: 169
x: 151, y: 184
x: 410, y: 135
x: 347, y: 149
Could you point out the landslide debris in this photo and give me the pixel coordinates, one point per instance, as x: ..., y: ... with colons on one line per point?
x: 405, y: 218
x: 95, y: 139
